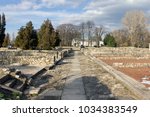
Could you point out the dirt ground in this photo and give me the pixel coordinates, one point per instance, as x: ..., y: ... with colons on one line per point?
x: 138, y: 73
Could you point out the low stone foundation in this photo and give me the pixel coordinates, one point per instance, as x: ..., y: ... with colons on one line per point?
x: 12, y: 81
x: 119, y: 52
x: 31, y: 57
x: 134, y: 62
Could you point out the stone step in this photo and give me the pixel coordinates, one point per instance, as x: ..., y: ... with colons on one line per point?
x: 51, y: 95
x: 18, y: 85
x: 22, y: 87
x: 4, y: 79
x: 10, y: 83
x: 7, y: 89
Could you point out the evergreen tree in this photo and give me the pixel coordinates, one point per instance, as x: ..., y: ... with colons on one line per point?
x: 19, y: 42
x: 27, y: 37
x: 109, y: 41
x: 57, y: 39
x: 46, y: 36
x: 6, y: 40
x: 28, y: 34
x: 2, y: 29
x: 34, y: 40
x: 31, y: 36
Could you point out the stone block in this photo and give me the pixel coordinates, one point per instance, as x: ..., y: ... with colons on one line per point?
x: 5, y: 69
x: 34, y: 91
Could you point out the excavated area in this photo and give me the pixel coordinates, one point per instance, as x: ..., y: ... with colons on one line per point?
x: 98, y: 84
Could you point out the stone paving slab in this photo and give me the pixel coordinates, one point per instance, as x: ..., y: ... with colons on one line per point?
x: 74, y: 85
x: 73, y: 91
x: 73, y: 97
x: 50, y: 94
x: 56, y: 93
x: 74, y: 88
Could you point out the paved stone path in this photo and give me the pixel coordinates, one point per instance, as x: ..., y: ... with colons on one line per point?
x: 74, y: 88
x: 78, y: 77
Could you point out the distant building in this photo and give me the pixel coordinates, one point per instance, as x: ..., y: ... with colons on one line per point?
x: 77, y: 42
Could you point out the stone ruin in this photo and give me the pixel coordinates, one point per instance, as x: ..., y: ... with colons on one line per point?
x: 13, y: 80
x: 125, y: 58
x: 26, y: 57
x: 127, y: 52
x: 122, y: 53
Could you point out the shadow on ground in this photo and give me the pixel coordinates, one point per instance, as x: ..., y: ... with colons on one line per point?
x: 95, y: 90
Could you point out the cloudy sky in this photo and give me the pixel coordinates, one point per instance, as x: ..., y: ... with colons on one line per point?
x: 103, y: 12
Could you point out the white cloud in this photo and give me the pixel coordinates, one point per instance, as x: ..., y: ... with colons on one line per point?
x: 131, y: 1
x: 136, y: 1
x: 114, y: 10
x: 54, y: 2
x: 105, y: 12
x: 77, y: 18
x: 38, y: 4
x: 24, y: 5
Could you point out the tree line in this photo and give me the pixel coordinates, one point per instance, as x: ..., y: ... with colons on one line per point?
x: 134, y: 33
x: 84, y: 31
x: 29, y: 38
x: 44, y: 38
x: 47, y: 38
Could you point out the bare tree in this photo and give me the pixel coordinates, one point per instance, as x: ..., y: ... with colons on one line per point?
x: 146, y: 40
x: 99, y: 32
x: 67, y: 33
x: 89, y: 27
x: 136, y: 24
x: 82, y: 27
x: 121, y: 37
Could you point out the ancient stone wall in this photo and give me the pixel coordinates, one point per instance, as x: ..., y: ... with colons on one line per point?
x: 122, y: 57
x: 119, y: 52
x: 31, y: 57
x: 131, y: 65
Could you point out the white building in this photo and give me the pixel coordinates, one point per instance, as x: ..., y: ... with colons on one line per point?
x: 77, y: 42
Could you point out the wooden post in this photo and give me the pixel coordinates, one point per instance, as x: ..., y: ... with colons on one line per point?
x: 54, y: 59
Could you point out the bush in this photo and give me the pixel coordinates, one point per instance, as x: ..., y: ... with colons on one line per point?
x: 110, y: 41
